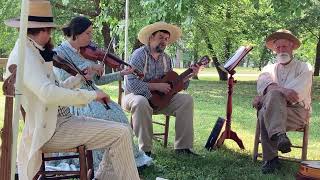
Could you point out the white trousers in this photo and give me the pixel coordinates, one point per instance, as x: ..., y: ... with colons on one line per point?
x: 115, y: 138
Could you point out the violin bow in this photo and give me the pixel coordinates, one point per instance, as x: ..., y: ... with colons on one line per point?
x: 88, y: 82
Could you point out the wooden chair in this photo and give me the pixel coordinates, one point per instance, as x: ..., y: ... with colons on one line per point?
x: 303, y: 147
x: 85, y: 156
x: 156, y: 135
x: 85, y: 159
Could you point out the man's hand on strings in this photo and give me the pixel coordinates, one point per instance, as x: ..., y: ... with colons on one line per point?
x: 126, y: 71
x: 196, y: 69
x: 162, y: 87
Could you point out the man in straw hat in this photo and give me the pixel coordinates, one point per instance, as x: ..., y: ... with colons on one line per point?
x: 48, y: 123
x: 154, y: 63
x: 284, y: 101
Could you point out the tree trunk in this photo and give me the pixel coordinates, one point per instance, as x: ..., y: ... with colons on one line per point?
x: 178, y: 58
x: 263, y: 61
x: 137, y: 44
x: 317, y: 62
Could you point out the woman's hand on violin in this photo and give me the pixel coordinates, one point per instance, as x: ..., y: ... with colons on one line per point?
x: 98, y: 69
x: 102, y: 97
x: 89, y: 73
x: 126, y: 71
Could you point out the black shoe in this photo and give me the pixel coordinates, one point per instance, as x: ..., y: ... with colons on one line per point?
x: 141, y: 168
x: 185, y: 151
x: 270, y: 166
x: 283, y: 143
x: 148, y: 153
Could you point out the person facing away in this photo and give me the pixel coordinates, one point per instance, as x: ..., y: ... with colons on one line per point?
x: 155, y: 63
x: 78, y: 34
x: 284, y: 100
x: 49, y: 125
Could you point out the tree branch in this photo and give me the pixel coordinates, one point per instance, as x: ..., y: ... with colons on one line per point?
x: 81, y: 11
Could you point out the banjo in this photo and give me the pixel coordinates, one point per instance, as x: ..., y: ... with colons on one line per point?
x: 309, y: 170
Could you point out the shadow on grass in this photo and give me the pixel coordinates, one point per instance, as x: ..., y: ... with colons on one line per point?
x: 218, y: 164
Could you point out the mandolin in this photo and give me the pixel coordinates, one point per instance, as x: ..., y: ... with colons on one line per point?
x: 309, y: 170
x: 159, y: 100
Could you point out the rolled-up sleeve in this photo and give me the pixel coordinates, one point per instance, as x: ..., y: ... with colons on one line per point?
x: 132, y: 83
x: 265, y: 79
x: 108, y: 78
x: 303, y: 82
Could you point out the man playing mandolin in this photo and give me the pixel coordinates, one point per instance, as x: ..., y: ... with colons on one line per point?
x: 155, y: 63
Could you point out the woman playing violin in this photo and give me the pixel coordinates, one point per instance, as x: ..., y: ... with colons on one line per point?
x: 79, y: 34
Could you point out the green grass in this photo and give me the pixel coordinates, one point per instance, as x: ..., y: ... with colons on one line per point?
x: 228, y: 162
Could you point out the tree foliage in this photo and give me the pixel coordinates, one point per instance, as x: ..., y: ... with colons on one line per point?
x: 210, y: 27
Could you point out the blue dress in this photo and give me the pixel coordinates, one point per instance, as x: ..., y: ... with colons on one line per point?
x: 93, y: 109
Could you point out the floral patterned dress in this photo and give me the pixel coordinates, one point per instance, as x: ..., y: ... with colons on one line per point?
x: 94, y: 109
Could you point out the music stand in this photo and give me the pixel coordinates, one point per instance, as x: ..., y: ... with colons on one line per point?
x: 229, y: 67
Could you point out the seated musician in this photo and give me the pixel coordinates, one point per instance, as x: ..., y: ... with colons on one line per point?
x: 154, y: 63
x: 78, y: 34
x: 284, y: 101
x: 49, y: 125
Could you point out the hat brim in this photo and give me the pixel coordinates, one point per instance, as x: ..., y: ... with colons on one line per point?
x: 282, y: 35
x: 31, y: 24
x: 146, y: 32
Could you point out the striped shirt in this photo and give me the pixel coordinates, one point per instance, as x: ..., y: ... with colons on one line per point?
x: 64, y: 112
x: 143, y: 61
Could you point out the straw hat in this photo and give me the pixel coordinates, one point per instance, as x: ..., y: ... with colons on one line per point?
x: 146, y: 32
x: 282, y: 34
x: 40, y: 16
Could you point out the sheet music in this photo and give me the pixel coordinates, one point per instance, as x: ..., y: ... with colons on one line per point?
x: 237, y: 57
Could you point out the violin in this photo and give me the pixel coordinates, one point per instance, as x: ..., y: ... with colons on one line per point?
x: 61, y: 63
x: 70, y: 68
x: 93, y: 53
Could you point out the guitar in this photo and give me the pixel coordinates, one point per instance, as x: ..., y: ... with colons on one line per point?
x: 159, y: 100
x: 309, y: 170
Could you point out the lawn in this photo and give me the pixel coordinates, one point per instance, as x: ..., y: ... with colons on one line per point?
x: 228, y: 162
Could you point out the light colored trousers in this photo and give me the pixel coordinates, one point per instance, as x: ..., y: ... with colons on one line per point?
x: 181, y: 106
x: 115, y: 138
x: 276, y: 116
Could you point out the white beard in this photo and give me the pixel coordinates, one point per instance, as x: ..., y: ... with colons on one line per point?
x: 283, y: 58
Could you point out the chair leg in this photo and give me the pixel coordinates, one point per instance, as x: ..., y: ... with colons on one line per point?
x: 83, y: 163
x: 256, y: 142
x: 166, y: 132
x: 90, y: 162
x: 305, y: 143
x: 41, y: 174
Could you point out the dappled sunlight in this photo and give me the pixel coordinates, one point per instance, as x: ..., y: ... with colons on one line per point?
x: 228, y: 162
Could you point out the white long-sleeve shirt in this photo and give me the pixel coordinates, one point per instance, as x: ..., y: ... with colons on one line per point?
x: 296, y: 75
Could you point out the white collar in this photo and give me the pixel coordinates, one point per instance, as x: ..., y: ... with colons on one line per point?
x: 70, y: 46
x: 36, y: 44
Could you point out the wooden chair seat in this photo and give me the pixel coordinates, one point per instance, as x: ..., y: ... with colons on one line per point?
x: 160, y: 135
x: 85, y: 159
x: 303, y: 146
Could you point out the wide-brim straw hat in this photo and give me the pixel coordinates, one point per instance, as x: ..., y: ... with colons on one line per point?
x: 40, y: 16
x: 282, y: 34
x: 145, y: 33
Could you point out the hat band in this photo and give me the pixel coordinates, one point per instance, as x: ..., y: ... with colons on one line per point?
x: 40, y: 19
